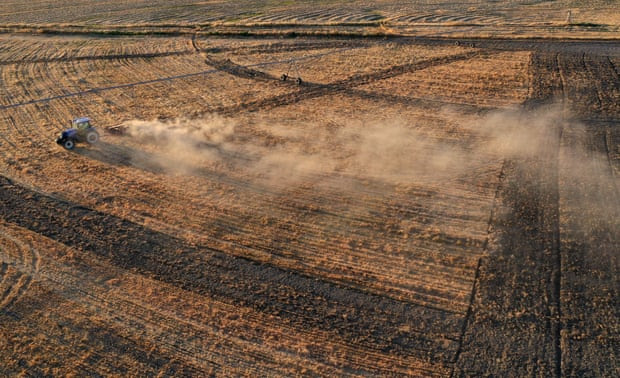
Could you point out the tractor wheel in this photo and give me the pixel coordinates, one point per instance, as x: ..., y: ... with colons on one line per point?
x: 299, y: 81
x: 68, y: 144
x: 284, y: 77
x: 92, y: 137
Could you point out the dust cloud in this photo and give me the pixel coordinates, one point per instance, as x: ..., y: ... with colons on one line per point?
x: 517, y: 133
x: 395, y: 151
x: 181, y: 145
x: 588, y: 188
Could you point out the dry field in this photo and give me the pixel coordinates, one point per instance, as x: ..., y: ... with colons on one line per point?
x: 421, y: 204
x: 474, y: 18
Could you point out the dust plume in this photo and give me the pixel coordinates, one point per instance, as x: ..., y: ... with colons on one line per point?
x: 518, y: 133
x: 181, y: 145
x: 397, y: 152
x: 394, y: 151
x: 549, y: 141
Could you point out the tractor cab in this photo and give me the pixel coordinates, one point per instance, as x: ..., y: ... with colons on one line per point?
x: 81, y: 124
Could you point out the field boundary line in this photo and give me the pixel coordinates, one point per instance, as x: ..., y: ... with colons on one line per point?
x: 485, y: 247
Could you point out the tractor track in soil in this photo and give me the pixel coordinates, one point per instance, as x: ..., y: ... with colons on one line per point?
x: 279, y: 47
x: 102, y: 359
x: 476, y: 283
x: 129, y: 313
x: 23, y: 268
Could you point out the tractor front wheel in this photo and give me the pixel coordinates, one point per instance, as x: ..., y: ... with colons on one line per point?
x: 68, y: 144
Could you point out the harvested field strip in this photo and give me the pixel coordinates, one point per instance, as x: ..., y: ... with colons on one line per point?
x: 293, y: 265
x: 250, y: 232
x: 20, y: 51
x: 241, y: 289
x: 232, y: 226
x: 457, y: 82
x: 301, y: 248
x: 96, y: 90
x: 100, y: 57
x: 175, y: 323
x: 355, y: 62
x: 310, y: 91
x: 466, y: 106
x: 139, y: 83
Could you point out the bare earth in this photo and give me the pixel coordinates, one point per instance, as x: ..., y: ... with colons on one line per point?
x: 437, y: 196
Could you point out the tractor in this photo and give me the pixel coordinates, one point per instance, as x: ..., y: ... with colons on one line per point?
x: 81, y: 131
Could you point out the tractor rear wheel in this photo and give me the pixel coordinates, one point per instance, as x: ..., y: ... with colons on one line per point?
x: 92, y: 137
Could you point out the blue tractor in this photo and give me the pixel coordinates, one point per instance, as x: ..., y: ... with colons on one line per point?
x: 81, y: 131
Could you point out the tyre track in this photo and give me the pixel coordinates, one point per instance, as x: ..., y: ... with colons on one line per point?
x: 79, y: 288
x: 601, y: 73
x: 281, y: 47
x: 474, y: 289
x: 3, y: 269
x: 66, y: 330
x: 26, y: 265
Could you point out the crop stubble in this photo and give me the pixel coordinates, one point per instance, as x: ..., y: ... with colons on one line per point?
x: 335, y: 273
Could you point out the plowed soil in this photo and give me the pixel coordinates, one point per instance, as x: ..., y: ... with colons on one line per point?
x: 413, y: 206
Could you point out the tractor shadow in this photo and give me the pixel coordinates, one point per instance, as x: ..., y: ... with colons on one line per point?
x: 126, y: 156
x: 121, y: 156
